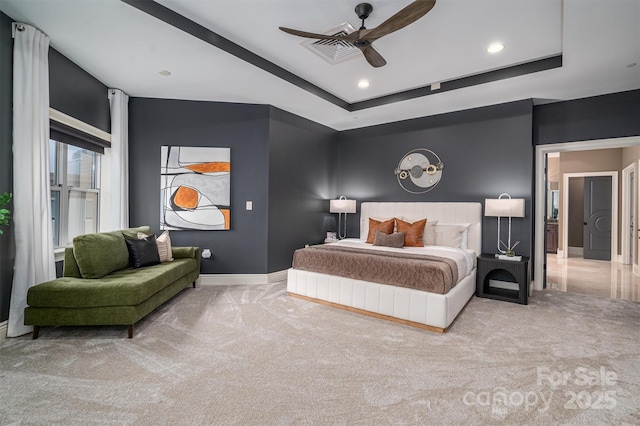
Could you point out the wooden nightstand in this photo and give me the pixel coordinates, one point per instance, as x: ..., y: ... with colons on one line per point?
x: 506, y: 280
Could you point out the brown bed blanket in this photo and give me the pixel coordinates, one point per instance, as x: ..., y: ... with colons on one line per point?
x: 433, y: 274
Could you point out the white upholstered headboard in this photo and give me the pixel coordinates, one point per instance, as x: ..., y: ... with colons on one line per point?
x: 442, y: 212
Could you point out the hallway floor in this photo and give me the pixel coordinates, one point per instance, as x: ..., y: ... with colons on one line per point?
x: 594, y: 277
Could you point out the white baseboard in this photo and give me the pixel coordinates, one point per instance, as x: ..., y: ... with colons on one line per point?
x: 278, y: 276
x: 241, y: 279
x: 576, y: 251
x: 4, y: 325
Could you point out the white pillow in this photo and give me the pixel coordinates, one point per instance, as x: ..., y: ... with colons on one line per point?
x: 452, y: 234
x: 164, y: 247
x: 429, y: 236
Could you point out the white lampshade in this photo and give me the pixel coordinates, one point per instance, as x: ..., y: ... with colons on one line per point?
x: 342, y: 205
x: 504, y: 207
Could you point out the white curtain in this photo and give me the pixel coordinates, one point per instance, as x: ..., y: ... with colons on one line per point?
x: 34, y: 262
x: 114, y: 188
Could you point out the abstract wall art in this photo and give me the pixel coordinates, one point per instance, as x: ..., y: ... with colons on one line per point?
x: 195, y: 188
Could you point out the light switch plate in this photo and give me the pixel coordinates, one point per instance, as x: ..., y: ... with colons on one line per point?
x: 249, y: 205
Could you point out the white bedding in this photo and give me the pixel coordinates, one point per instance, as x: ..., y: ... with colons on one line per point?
x: 465, y: 259
x: 432, y: 311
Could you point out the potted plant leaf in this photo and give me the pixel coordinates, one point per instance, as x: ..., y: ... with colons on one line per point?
x: 5, y: 214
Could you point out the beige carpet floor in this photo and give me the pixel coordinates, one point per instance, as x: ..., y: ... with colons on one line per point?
x: 252, y: 355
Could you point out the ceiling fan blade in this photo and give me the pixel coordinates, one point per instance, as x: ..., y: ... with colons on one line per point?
x: 374, y: 58
x: 404, y: 17
x: 312, y: 35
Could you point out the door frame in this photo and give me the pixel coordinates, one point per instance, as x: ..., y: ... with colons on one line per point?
x: 540, y: 191
x: 627, y: 172
x: 636, y: 234
x: 614, y: 210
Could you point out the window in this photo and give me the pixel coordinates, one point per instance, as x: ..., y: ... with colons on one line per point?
x: 75, y: 150
x: 75, y: 192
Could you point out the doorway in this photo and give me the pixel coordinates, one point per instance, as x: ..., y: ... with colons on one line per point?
x: 539, y: 261
x: 612, y: 242
x: 628, y: 243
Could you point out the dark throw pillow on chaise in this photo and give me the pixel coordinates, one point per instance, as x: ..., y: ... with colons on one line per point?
x: 142, y: 252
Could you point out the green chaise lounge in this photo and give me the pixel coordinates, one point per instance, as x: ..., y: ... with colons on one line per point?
x: 99, y: 288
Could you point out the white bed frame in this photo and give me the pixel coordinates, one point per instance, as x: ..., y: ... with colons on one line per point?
x: 418, y: 308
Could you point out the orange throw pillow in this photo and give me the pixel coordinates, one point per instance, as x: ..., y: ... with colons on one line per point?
x: 413, y: 232
x: 386, y: 227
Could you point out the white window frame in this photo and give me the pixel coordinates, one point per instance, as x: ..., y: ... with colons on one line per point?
x: 64, y: 190
x: 70, y: 121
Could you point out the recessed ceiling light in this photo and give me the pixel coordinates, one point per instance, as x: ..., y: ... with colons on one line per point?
x: 164, y: 73
x: 495, y: 47
x: 363, y: 84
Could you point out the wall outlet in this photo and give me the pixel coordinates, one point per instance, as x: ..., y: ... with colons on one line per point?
x: 249, y: 205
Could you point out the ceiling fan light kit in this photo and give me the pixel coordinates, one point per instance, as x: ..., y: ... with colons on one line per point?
x: 363, y: 38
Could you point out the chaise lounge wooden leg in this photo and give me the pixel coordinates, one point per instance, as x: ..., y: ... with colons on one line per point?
x: 194, y: 284
x: 36, y: 331
x: 130, y: 330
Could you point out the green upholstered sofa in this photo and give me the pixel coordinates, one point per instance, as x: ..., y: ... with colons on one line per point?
x: 114, y: 294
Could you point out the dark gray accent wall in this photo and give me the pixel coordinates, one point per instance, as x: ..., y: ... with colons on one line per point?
x: 302, y: 178
x: 7, y: 244
x: 243, y: 128
x: 77, y: 93
x: 282, y: 163
x: 600, y: 117
x: 486, y: 151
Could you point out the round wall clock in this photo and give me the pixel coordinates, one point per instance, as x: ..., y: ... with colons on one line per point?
x: 419, y: 171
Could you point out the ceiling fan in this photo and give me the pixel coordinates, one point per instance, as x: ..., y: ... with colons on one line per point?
x: 363, y: 38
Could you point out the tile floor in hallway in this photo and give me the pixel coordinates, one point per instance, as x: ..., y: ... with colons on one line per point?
x: 594, y: 277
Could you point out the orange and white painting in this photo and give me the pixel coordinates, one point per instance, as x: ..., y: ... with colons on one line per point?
x: 195, y: 188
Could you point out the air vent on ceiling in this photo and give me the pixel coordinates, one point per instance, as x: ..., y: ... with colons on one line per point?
x: 334, y: 51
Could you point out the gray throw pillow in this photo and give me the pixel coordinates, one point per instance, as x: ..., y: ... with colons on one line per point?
x: 389, y: 240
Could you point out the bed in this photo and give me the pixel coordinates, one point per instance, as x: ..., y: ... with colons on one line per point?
x: 405, y: 302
